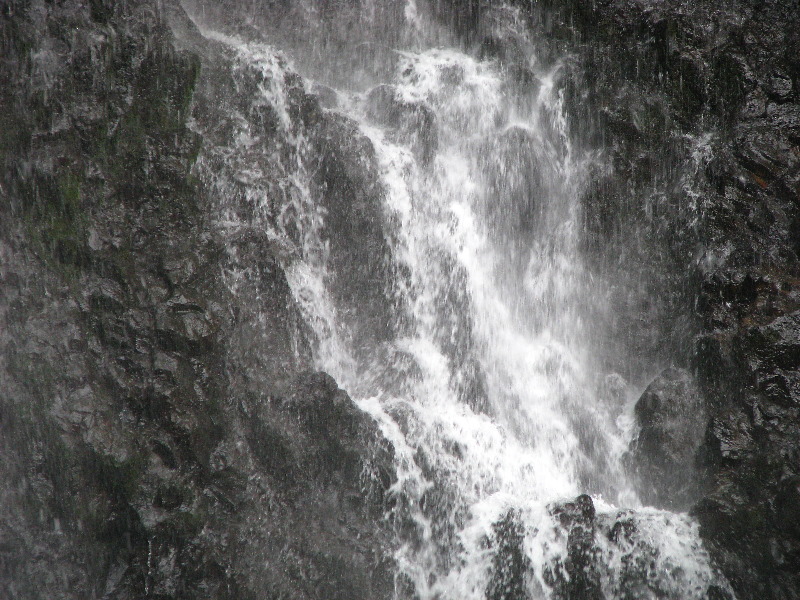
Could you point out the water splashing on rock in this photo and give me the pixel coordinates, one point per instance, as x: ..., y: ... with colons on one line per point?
x: 429, y: 225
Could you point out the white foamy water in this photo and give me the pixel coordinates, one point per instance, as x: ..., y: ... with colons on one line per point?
x: 489, y: 388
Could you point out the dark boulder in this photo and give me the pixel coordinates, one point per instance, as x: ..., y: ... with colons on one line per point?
x: 672, y: 417
x: 578, y: 575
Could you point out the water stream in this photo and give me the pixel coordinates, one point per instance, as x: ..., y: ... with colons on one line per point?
x: 489, y: 385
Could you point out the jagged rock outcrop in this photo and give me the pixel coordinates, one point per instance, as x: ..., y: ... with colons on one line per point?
x: 336, y: 213
x: 159, y: 438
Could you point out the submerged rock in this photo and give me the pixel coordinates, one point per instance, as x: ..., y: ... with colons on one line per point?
x: 621, y: 554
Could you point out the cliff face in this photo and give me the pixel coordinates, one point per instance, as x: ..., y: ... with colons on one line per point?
x: 710, y: 90
x: 161, y: 436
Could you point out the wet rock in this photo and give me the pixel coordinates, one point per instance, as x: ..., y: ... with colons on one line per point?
x: 672, y: 416
x: 318, y: 451
x: 725, y: 272
x: 780, y: 86
x: 644, y: 569
x: 788, y: 510
x: 413, y: 123
x: 510, y: 566
x: 753, y: 449
x: 579, y: 575
x: 347, y: 182
x: 328, y: 97
x: 146, y: 410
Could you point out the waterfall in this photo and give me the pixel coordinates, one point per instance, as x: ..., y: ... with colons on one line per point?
x: 488, y: 381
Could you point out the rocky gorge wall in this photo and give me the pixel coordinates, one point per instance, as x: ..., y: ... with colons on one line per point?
x: 161, y: 437
x: 724, y: 284
x: 164, y: 437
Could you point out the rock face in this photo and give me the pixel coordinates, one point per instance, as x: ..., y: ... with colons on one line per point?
x: 672, y: 417
x: 164, y: 437
x: 708, y: 91
x: 160, y: 436
x: 753, y: 447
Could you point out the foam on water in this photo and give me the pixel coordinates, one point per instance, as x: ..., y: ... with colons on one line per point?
x: 500, y: 411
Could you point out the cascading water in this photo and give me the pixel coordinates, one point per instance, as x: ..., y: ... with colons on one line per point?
x: 487, y: 385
